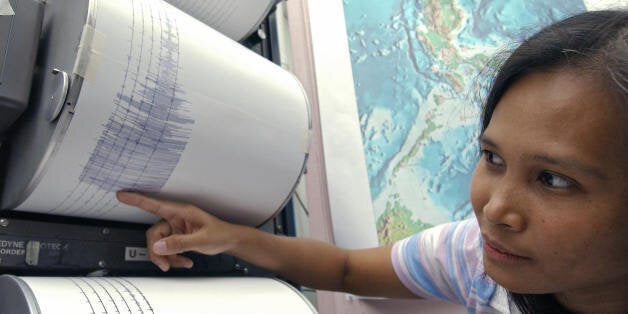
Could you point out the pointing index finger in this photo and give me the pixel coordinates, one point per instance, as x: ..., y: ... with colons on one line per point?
x: 163, y: 209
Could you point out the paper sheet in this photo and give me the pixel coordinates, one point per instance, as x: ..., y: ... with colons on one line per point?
x: 105, y: 295
x: 5, y: 8
x: 170, y: 106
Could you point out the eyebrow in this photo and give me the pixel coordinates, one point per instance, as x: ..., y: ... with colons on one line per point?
x: 569, y: 163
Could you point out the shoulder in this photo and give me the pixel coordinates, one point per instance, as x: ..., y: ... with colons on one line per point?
x: 460, y: 240
x: 441, y: 261
x: 445, y: 262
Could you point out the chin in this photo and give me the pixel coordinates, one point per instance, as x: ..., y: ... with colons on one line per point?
x: 515, y: 282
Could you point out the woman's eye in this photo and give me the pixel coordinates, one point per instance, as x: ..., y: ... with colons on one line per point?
x: 492, y: 158
x: 555, y: 181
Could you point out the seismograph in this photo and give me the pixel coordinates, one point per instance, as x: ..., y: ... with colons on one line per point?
x: 143, y: 139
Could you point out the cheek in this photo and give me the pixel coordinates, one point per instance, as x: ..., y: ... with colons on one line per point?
x: 479, y: 191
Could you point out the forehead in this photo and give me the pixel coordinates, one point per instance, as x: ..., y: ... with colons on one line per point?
x: 564, y: 112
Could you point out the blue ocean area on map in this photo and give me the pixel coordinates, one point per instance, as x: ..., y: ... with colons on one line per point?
x: 493, y: 21
x: 415, y: 67
x: 446, y: 166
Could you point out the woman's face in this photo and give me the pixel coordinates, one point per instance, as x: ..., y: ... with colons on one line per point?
x: 550, y: 192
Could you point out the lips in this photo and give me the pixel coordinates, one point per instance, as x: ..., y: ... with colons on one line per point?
x: 499, y: 252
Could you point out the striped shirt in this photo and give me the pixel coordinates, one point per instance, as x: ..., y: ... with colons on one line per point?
x: 445, y: 262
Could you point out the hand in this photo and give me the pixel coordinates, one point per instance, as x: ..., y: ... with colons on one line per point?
x: 183, y: 228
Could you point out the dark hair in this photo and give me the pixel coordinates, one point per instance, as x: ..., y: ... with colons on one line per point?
x: 594, y: 42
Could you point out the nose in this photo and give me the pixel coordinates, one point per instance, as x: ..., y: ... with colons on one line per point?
x: 505, y: 208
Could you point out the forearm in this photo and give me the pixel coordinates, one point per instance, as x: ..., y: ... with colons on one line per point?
x: 321, y: 265
x: 308, y: 262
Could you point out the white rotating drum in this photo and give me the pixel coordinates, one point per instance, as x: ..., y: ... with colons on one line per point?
x: 79, y: 295
x: 152, y: 100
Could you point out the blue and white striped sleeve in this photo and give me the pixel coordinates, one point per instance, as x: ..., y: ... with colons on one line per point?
x: 440, y: 262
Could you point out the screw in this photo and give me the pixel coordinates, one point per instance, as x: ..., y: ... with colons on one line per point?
x: 105, y: 231
x: 102, y: 264
x: 261, y: 33
x: 4, y: 222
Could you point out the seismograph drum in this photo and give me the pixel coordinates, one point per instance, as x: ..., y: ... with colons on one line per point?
x: 223, y: 15
x: 70, y: 295
x: 137, y: 95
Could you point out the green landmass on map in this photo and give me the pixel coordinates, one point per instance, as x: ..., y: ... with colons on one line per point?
x: 396, y: 223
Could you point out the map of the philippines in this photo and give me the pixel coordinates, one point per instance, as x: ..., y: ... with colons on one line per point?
x: 418, y: 68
